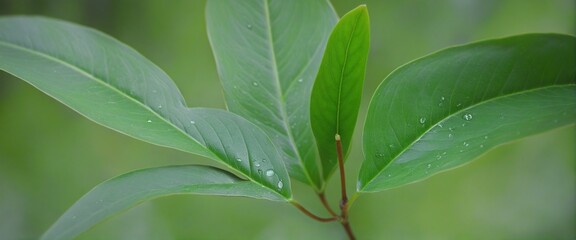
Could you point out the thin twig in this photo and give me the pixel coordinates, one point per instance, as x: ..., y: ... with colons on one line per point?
x: 344, y: 202
x: 312, y: 215
x: 342, y: 173
x: 326, y: 205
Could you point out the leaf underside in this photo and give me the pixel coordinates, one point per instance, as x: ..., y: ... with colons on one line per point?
x: 337, y: 90
x: 446, y: 109
x: 268, y: 53
x: 130, y: 189
x: 113, y: 85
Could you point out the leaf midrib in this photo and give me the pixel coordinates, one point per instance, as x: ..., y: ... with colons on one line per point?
x: 111, y: 87
x: 102, y: 82
x: 278, y: 89
x: 459, y: 112
x: 341, y: 80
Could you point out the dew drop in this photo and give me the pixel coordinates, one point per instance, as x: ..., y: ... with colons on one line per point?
x: 379, y: 155
x: 149, y: 121
x: 257, y: 164
x: 159, y: 106
x: 481, y: 145
x: 459, y: 104
x: 429, y: 165
x: 269, y: 173
x: 450, y: 135
x: 442, y: 98
x: 259, y: 171
x: 249, y: 26
x: 300, y: 80
x: 255, y: 84
x: 422, y: 120
x: 451, y: 128
x: 440, y: 125
x: 192, y: 122
x: 444, y: 153
x: 239, y: 159
x: 465, y: 144
x: 391, y: 146
x: 485, y: 137
x: 280, y: 184
x: 389, y: 175
x: 467, y: 117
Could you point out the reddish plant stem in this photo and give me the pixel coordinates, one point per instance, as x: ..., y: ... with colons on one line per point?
x: 344, y: 202
x: 341, y: 167
x: 312, y: 215
x: 326, y: 205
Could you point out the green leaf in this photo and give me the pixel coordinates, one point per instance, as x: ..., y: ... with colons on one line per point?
x: 446, y: 109
x: 268, y: 53
x: 128, y: 190
x: 113, y: 85
x: 337, y: 91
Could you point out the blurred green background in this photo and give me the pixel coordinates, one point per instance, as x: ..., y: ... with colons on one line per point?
x: 50, y: 156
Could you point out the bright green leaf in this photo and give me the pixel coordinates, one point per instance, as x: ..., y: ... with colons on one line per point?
x: 113, y: 85
x: 337, y: 91
x: 120, y: 193
x: 268, y: 53
x: 448, y: 108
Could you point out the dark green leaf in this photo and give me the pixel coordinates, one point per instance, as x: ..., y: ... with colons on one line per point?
x: 337, y: 91
x: 125, y: 191
x: 113, y: 85
x: 268, y: 53
x: 448, y: 108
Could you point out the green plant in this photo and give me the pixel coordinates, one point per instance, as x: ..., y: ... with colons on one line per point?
x: 429, y: 115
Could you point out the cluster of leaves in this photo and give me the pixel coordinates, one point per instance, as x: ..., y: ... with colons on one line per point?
x: 291, y: 87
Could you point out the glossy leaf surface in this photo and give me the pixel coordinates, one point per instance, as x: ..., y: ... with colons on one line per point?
x: 268, y: 53
x: 125, y: 191
x: 337, y: 90
x: 446, y: 109
x: 113, y: 85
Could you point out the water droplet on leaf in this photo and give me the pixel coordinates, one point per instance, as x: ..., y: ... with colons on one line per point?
x: 280, y: 184
x: 149, y: 121
x: 255, y: 84
x: 270, y: 173
x: 467, y: 116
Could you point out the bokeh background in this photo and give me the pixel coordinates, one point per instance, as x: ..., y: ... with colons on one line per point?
x: 50, y: 156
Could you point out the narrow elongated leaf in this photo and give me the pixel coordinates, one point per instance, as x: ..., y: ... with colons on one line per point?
x: 337, y: 91
x: 113, y: 85
x: 125, y: 191
x: 448, y: 108
x: 268, y: 53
